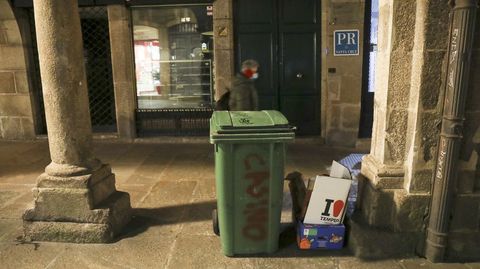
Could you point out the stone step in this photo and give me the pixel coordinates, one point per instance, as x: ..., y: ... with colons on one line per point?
x: 115, y: 212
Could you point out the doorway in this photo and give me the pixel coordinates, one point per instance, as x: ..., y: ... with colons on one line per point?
x: 98, y: 69
x: 284, y: 37
x: 369, y: 60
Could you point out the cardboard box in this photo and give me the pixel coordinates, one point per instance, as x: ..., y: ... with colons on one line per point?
x: 311, y: 236
x: 328, y: 200
x: 342, y: 188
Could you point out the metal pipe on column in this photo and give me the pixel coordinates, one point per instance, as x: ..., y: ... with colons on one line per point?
x: 462, y: 30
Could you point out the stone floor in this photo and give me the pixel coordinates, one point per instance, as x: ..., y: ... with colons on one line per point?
x: 173, y: 192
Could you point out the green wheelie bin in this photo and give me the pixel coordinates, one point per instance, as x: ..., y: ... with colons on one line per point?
x: 249, y: 171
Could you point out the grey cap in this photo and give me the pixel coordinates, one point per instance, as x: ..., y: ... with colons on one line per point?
x: 249, y: 64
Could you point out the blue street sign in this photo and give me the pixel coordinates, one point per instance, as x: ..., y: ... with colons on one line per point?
x: 346, y: 42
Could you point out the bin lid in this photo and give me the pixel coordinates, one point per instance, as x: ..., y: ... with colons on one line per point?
x: 249, y: 124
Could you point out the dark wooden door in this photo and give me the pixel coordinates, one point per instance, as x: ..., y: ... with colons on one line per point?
x: 284, y: 37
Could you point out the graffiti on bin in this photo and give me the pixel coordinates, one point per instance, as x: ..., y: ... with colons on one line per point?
x: 256, y: 211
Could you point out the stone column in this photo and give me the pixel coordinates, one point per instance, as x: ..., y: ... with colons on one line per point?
x: 396, y: 205
x: 384, y: 165
x: 408, y: 103
x: 123, y: 69
x: 412, y: 46
x: 430, y: 49
x: 75, y: 199
x: 223, y: 45
x: 424, y: 114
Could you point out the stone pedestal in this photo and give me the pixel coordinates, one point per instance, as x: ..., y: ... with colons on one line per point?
x: 83, y: 208
x: 75, y: 199
x: 395, y: 201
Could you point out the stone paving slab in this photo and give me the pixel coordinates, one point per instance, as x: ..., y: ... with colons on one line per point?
x: 191, y: 164
x: 169, y: 193
x: 290, y: 262
x: 151, y: 169
x: 205, y: 188
x: 196, y: 252
x: 172, y: 187
x: 137, y: 192
x: 424, y: 264
x: 142, y: 251
x: 473, y: 265
x: 30, y: 255
x: 8, y: 196
x: 10, y: 229
x: 17, y: 205
x: 197, y: 219
x: 349, y: 263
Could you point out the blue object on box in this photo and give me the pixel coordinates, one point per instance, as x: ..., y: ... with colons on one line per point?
x: 312, y: 236
x: 354, y: 163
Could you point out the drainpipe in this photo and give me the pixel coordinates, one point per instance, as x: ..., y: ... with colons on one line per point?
x: 462, y: 30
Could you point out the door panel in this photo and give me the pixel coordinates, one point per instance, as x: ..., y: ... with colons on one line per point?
x: 301, y: 112
x: 258, y: 46
x: 255, y: 11
x: 267, y: 102
x: 295, y: 11
x: 299, y: 74
x: 299, y: 36
x: 284, y: 37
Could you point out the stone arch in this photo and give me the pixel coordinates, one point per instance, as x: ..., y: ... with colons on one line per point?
x: 16, y: 113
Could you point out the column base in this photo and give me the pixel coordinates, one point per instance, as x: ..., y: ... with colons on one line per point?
x: 77, y: 209
x: 117, y: 212
x: 382, y: 176
x: 367, y: 242
x: 395, y: 210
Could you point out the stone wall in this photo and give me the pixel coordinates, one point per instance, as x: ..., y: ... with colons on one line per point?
x: 16, y: 118
x: 413, y: 38
x: 123, y: 69
x: 223, y: 45
x: 344, y: 85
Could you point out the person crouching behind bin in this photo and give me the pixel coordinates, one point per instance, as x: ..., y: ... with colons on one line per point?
x: 243, y: 96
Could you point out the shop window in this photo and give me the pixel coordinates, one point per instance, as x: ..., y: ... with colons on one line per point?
x: 173, y: 56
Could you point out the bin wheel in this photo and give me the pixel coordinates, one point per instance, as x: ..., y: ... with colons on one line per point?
x: 216, y: 228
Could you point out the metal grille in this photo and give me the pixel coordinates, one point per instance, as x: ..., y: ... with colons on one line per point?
x: 174, y: 122
x: 41, y: 124
x: 98, y: 66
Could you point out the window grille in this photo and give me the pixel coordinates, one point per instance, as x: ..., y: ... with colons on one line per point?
x: 98, y: 67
